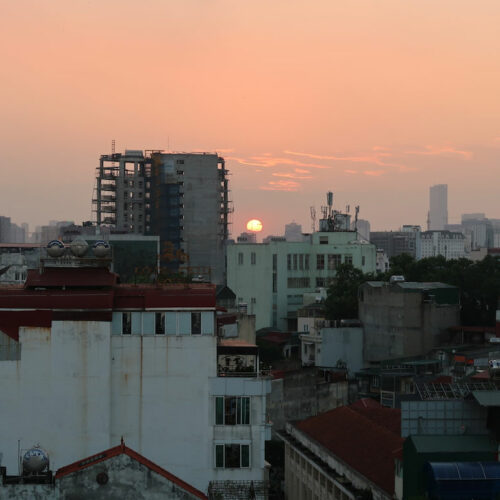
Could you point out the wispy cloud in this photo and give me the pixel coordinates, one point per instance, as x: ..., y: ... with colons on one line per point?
x: 351, y: 172
x: 292, y: 175
x: 374, y: 173
x: 281, y: 186
x: 264, y: 161
x: 441, y: 150
x: 376, y: 158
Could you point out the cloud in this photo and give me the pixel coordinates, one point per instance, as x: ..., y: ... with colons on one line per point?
x: 224, y: 150
x: 291, y: 175
x: 374, y: 173
x: 443, y: 150
x: 281, y: 186
x: 302, y: 171
x: 351, y: 172
x: 265, y: 161
x: 375, y: 158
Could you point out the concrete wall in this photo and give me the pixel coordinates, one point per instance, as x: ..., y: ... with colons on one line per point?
x: 399, y: 324
x: 78, y: 389
x: 128, y: 480
x: 301, y: 395
x: 341, y: 344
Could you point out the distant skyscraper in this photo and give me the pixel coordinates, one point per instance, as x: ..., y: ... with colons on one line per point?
x: 438, y: 207
x: 293, y: 232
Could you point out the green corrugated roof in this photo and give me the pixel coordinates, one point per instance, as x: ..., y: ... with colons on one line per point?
x: 453, y: 444
x: 417, y: 285
x: 487, y: 398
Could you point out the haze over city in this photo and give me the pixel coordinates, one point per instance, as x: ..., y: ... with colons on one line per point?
x: 375, y: 101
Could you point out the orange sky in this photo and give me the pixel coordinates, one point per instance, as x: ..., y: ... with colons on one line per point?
x: 374, y: 100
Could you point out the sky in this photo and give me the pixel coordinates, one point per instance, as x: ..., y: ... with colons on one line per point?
x: 374, y: 100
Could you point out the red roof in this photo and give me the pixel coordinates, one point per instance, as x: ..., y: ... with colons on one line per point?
x: 361, y: 435
x: 90, y: 291
x: 118, y: 450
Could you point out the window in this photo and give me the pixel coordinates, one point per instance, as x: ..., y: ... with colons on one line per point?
x: 180, y: 162
x: 275, y: 262
x: 126, y: 323
x: 232, y: 410
x: 306, y: 262
x: 363, y: 260
x: 232, y: 456
x: 253, y: 258
x: 323, y: 240
x: 240, y: 258
x: 160, y: 323
x: 289, y: 262
x: 295, y: 261
x: 348, y: 259
x: 125, y: 207
x: 320, y: 282
x: 320, y: 261
x: 275, y: 283
x: 334, y: 260
x: 301, y: 262
x: 298, y: 283
x: 195, y: 323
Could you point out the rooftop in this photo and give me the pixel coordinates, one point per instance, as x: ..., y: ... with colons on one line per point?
x: 357, y: 433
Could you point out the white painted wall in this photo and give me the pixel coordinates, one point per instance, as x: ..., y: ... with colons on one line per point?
x: 78, y: 389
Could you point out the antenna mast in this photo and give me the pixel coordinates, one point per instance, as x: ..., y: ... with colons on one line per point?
x: 313, y: 218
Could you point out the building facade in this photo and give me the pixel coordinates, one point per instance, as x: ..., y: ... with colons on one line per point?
x: 405, y: 318
x: 181, y: 197
x: 86, y: 362
x: 446, y: 243
x: 438, y: 207
x: 272, y: 278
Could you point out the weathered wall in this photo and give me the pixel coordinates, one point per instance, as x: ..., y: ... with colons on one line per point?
x: 343, y: 345
x: 58, y: 394
x: 127, y: 480
x: 300, y: 395
x: 399, y: 324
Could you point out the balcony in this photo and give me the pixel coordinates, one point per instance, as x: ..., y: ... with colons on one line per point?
x: 237, y: 358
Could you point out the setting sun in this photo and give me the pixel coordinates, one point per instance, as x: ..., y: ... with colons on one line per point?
x: 254, y: 225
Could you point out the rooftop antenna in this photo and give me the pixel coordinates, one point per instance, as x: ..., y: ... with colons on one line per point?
x: 329, y: 202
x: 113, y: 146
x: 313, y: 218
x: 356, y: 219
x: 347, y: 208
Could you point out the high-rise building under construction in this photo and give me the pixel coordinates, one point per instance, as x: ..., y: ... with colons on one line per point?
x: 182, y: 197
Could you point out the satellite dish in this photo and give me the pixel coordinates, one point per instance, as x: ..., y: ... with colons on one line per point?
x: 55, y: 248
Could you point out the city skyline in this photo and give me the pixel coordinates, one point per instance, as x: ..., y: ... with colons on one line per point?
x: 373, y: 102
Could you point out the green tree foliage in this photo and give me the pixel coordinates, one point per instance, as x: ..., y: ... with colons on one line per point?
x: 342, y: 298
x: 478, y: 282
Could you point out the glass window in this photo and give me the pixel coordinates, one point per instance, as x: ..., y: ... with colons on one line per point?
x: 295, y: 261
x: 301, y: 262
x: 232, y: 410
x: 240, y: 258
x: 126, y: 323
x: 348, y: 259
x: 160, y: 323
x: 306, y: 262
x: 320, y: 261
x: 363, y: 260
x: 232, y: 456
x: 334, y: 261
x: 253, y: 258
x: 195, y: 323
x: 289, y: 262
x: 323, y: 240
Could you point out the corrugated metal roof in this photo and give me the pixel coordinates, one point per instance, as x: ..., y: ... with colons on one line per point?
x: 452, y: 444
x: 487, y: 398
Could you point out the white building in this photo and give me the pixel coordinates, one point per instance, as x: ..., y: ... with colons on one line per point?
x: 363, y: 228
x: 85, y: 362
x: 438, y: 207
x: 293, y: 232
x: 446, y: 243
x: 273, y: 277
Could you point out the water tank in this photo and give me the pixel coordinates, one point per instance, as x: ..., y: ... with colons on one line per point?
x: 35, y: 461
x: 101, y: 249
x: 79, y: 247
x: 55, y: 248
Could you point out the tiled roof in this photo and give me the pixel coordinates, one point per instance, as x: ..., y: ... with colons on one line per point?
x: 118, y: 450
x: 363, y: 436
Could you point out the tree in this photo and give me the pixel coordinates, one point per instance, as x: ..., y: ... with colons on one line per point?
x: 342, y: 298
